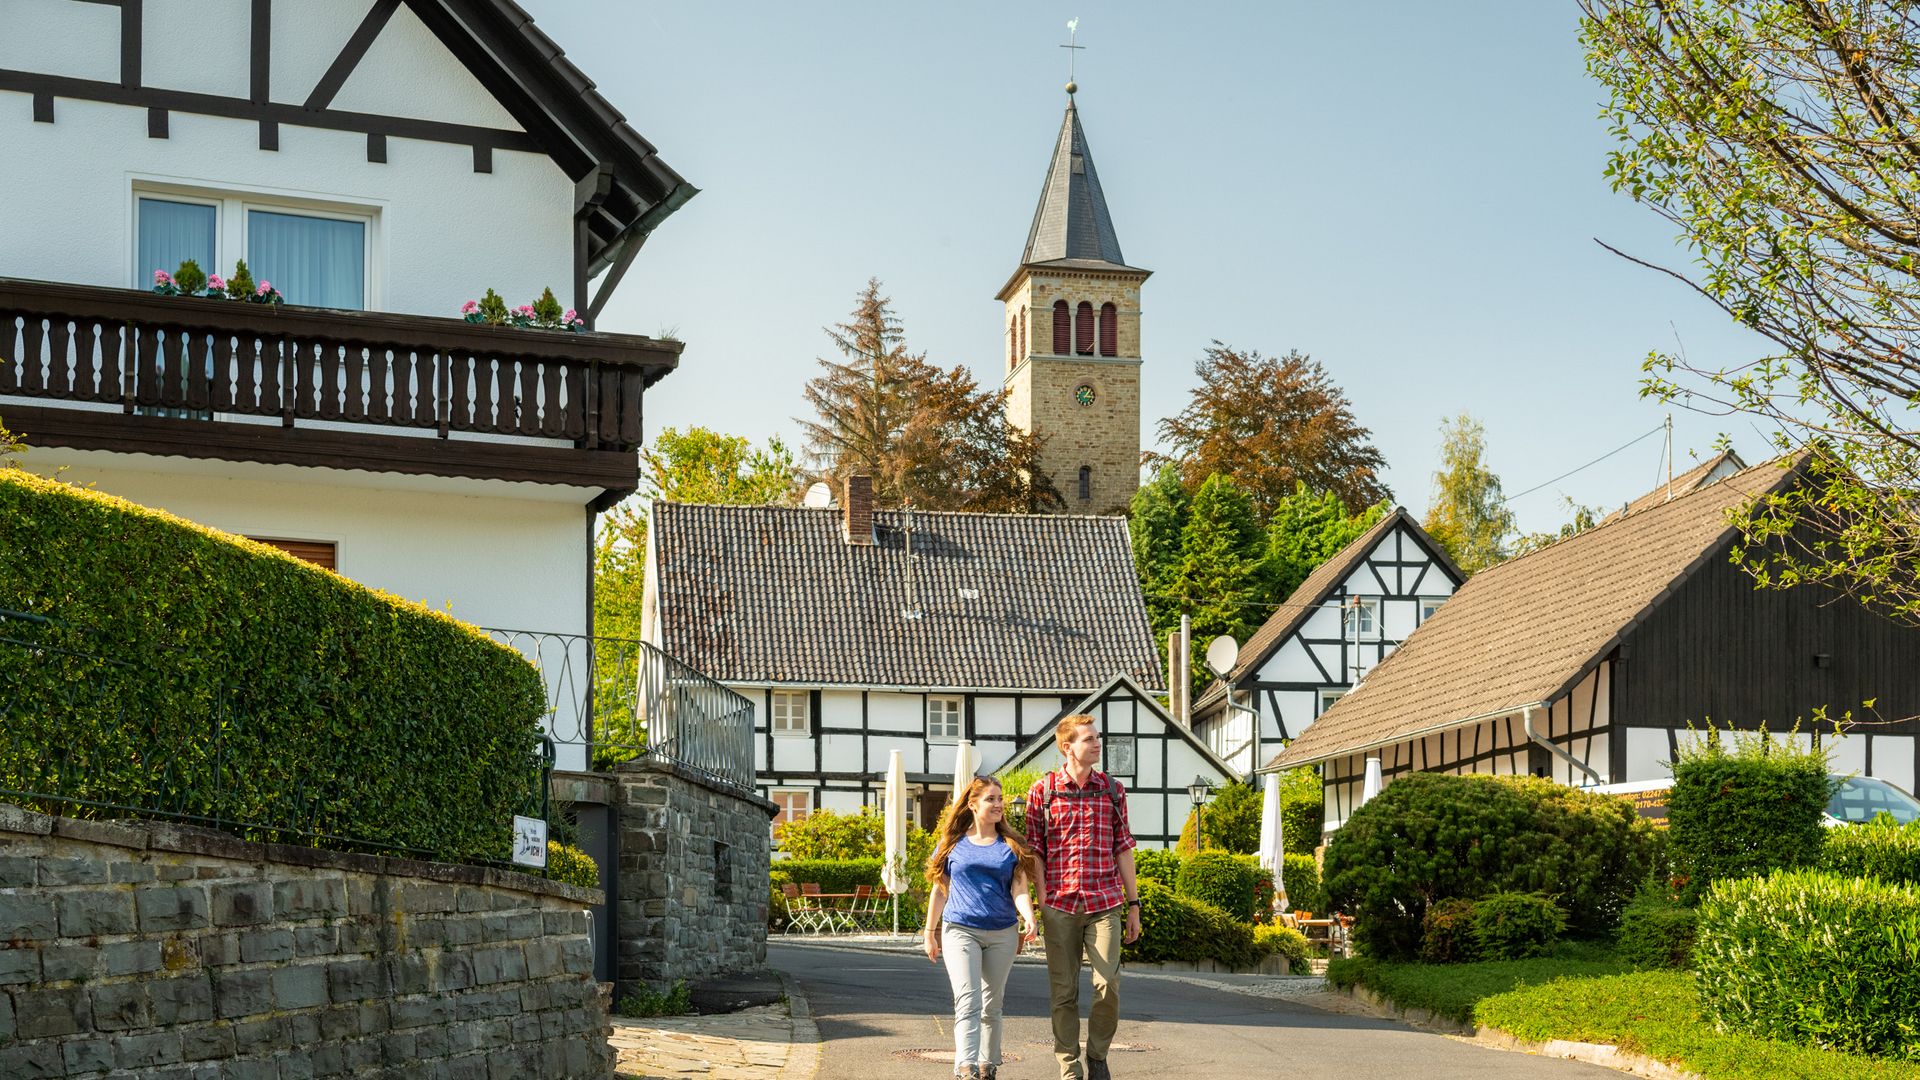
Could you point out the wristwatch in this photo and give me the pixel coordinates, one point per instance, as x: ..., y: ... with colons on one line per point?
x: 1133, y: 903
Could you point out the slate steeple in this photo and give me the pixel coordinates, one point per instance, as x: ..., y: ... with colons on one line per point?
x: 1071, y: 222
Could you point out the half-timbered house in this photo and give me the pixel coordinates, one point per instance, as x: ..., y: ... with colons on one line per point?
x: 1151, y: 754
x: 380, y: 163
x: 858, y: 631
x: 1337, y: 626
x: 1592, y: 660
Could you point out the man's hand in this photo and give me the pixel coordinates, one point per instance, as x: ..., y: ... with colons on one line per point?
x: 1133, y: 924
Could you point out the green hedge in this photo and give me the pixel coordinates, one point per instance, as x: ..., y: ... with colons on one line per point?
x: 1303, y: 811
x: 1177, y: 927
x: 1271, y: 938
x: 1301, y: 876
x: 1516, y: 926
x: 1431, y: 837
x: 1888, y: 852
x: 1656, y: 930
x: 832, y: 875
x: 1222, y: 880
x: 1813, y: 958
x: 340, y: 712
x: 1745, y: 804
x: 1156, y: 864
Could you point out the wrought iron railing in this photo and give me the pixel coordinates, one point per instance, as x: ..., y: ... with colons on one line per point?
x: 95, y: 727
x: 622, y: 698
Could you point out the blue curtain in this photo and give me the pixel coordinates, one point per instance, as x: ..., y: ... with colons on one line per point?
x: 171, y: 232
x: 317, y: 261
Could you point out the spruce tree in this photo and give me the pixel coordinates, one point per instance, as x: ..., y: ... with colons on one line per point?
x: 1307, y: 529
x: 1221, y: 583
x: 1156, y: 519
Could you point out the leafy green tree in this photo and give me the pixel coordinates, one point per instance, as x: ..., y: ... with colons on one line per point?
x: 1221, y: 582
x: 1579, y: 519
x: 1157, y: 519
x: 927, y: 435
x: 1231, y: 822
x: 1467, y: 514
x: 1272, y: 423
x: 1779, y: 138
x: 1307, y: 529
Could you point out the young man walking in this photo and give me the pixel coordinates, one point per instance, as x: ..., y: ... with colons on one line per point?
x: 1077, y: 827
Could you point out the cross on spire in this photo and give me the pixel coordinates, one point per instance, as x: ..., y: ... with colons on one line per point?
x: 1073, y: 29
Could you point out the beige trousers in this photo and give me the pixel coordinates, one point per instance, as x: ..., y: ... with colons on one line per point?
x: 1097, y: 937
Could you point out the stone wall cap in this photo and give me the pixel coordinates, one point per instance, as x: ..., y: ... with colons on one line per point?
x: 694, y: 776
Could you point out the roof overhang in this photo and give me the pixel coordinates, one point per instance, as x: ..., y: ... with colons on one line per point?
x: 1281, y: 762
x: 1077, y: 267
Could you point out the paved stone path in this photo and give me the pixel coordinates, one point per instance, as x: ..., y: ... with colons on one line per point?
x: 768, y: 1042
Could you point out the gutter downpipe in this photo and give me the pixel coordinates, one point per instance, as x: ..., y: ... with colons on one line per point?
x: 1526, y: 721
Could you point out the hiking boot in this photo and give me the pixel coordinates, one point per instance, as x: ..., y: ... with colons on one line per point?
x: 1097, y: 1069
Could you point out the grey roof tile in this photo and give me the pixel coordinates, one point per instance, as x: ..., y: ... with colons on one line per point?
x: 1071, y: 225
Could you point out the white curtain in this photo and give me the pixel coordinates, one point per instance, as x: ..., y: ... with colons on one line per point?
x: 170, y: 233
x: 316, y: 261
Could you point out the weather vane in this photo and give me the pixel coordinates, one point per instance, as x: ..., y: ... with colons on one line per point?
x: 1073, y: 29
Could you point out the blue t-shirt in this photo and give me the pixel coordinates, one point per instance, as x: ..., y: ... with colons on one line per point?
x: 980, y: 885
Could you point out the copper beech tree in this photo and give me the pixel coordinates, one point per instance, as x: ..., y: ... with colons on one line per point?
x: 927, y: 435
x: 1781, y: 138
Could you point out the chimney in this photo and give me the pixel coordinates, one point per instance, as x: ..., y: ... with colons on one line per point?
x: 856, y: 511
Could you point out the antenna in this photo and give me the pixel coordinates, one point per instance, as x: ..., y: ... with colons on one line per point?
x: 818, y: 497
x: 1669, y: 497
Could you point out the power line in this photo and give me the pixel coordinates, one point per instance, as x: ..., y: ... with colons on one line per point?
x: 1588, y: 465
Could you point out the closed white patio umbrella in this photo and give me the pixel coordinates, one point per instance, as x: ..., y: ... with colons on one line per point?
x: 1371, y: 785
x: 893, y: 870
x: 1272, y: 850
x: 966, y: 762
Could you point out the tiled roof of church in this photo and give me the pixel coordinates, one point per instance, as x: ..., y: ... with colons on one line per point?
x: 776, y: 594
x: 1071, y: 226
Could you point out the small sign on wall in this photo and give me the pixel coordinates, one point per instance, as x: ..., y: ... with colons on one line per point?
x: 1119, y: 755
x: 529, y: 841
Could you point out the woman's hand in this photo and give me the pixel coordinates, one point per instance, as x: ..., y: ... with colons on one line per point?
x: 1028, y: 931
x: 931, y: 940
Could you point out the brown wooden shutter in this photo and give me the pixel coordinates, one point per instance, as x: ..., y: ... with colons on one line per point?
x: 1062, y: 334
x: 1083, y: 329
x: 1109, y: 330
x: 318, y: 552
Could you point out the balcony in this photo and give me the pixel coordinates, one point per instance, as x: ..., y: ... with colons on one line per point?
x: 136, y: 372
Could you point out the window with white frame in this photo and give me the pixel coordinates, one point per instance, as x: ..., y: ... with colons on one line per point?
x: 1362, y: 618
x: 794, y: 803
x: 788, y: 716
x: 1329, y: 695
x: 1429, y: 605
x: 312, y: 254
x: 943, y: 719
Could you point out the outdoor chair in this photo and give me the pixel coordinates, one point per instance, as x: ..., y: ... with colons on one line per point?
x: 803, y: 915
x: 862, y: 910
x: 828, y: 919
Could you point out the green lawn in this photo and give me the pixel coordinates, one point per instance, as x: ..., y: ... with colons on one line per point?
x: 1586, y: 996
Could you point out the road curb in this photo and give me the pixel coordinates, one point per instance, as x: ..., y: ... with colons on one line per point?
x: 803, y: 1053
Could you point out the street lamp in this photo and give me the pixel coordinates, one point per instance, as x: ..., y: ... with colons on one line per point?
x: 1198, y: 792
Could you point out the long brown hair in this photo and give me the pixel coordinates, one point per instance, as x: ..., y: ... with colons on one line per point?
x: 960, y: 823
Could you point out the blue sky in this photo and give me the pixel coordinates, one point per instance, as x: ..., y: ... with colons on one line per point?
x: 1408, y: 192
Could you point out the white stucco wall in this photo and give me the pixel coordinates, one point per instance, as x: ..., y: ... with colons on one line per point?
x: 439, y: 234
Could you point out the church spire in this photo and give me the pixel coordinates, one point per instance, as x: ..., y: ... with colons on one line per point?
x: 1071, y: 221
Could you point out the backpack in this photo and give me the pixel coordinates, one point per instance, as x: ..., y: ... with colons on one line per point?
x: 1046, y: 798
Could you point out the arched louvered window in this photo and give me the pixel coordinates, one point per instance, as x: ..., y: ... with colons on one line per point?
x: 1083, y: 329
x: 1062, y: 332
x: 1013, y: 344
x: 1086, y: 482
x: 1023, y: 333
x: 1109, y: 330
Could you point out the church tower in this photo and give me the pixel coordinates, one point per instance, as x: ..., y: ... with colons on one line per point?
x: 1073, y: 336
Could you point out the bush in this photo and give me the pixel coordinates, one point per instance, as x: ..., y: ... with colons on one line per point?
x: 825, y: 835
x: 1814, y: 958
x: 1014, y: 785
x: 1888, y: 852
x: 1516, y: 926
x: 1229, y: 822
x: 1222, y: 880
x: 1303, y: 811
x: 1154, y: 864
x: 1301, y: 876
x: 832, y: 875
x: 1177, y: 927
x: 1745, y: 804
x: 571, y: 865
x: 1269, y: 939
x: 643, y: 1003
x: 1431, y: 837
x: 1656, y: 930
x: 341, y: 714
x: 1446, y: 934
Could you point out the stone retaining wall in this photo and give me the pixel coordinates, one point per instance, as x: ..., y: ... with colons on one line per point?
x: 693, y: 876
x: 134, y: 949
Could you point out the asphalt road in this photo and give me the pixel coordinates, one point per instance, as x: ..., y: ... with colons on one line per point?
x: 874, y: 1010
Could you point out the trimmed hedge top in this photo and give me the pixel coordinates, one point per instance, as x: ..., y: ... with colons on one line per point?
x: 186, y: 671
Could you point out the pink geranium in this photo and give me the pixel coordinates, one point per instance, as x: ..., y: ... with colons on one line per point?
x: 265, y: 288
x: 570, y: 316
x: 525, y: 309
x: 216, y: 282
x: 469, y: 307
x: 161, y: 277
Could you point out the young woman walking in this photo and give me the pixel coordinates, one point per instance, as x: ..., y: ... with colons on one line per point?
x: 978, y: 917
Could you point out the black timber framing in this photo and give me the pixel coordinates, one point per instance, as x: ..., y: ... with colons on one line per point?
x: 351, y: 53
x: 131, y: 37
x: 260, y: 53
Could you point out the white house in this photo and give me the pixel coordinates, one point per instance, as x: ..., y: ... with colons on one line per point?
x: 380, y: 163
x: 1337, y: 626
x: 857, y: 632
x: 1594, y: 659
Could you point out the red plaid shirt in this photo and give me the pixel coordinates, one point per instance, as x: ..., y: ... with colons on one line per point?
x: 1079, y: 836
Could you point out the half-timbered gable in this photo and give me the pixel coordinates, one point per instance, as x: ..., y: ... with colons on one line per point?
x: 858, y: 632
x: 1147, y: 749
x: 1593, y: 659
x: 1337, y: 626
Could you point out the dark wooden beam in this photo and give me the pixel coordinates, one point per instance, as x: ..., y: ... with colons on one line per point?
x: 260, y: 53
x: 377, y: 148
x: 350, y: 55
x: 157, y: 124
x: 269, y: 135
x: 130, y: 38
x: 482, y: 158
x: 43, y: 108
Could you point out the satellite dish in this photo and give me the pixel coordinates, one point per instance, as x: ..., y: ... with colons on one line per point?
x: 1221, y: 653
x: 819, y: 496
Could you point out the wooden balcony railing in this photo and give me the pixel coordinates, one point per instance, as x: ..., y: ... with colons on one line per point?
x: 130, y: 348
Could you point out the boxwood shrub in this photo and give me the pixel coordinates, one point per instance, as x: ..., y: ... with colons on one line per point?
x: 832, y: 875
x: 1272, y: 938
x: 1431, y: 837
x: 1888, y: 852
x: 1446, y: 933
x: 1301, y: 876
x: 1222, y: 880
x: 1745, y: 804
x: 1815, y: 958
x: 1175, y: 927
x: 1656, y: 930
x: 1156, y: 864
x: 174, y: 668
x: 1516, y: 926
